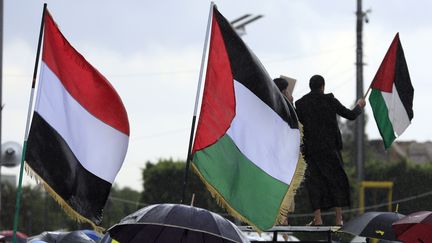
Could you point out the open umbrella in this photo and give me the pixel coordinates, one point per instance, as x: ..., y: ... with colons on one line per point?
x: 415, y: 227
x: 373, y: 225
x: 107, y: 239
x: 92, y: 234
x: 7, y: 236
x: 47, y: 236
x: 78, y: 236
x: 173, y: 223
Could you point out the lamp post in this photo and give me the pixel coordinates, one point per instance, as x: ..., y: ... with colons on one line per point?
x: 240, y: 23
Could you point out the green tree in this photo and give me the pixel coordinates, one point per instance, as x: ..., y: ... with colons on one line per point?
x: 412, y: 185
x: 39, y: 212
x: 120, y: 203
x: 163, y: 182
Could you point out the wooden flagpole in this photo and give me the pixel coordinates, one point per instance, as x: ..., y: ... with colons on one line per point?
x: 19, y: 189
x: 204, y: 54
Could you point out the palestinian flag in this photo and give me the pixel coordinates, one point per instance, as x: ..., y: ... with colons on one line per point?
x: 79, y: 132
x: 247, y: 144
x: 392, y: 94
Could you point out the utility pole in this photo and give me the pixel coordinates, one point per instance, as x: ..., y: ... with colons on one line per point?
x: 360, y: 121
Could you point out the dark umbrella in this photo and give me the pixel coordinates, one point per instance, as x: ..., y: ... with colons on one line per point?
x: 175, y: 223
x: 106, y: 239
x: 47, y: 236
x: 7, y: 236
x: 415, y: 227
x: 77, y: 236
x: 373, y: 225
x: 92, y: 234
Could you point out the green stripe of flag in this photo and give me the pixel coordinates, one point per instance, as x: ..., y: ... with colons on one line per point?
x: 245, y: 187
x: 382, y: 119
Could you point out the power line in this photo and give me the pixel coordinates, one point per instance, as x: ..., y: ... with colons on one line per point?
x: 137, y: 203
x: 189, y: 71
x: 402, y: 200
x: 308, y: 55
x: 168, y: 132
x: 161, y: 73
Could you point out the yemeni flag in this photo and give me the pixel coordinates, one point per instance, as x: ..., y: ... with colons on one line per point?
x: 247, y: 144
x: 79, y: 132
x: 392, y: 94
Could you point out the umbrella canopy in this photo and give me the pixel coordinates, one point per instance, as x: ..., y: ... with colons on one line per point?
x: 175, y: 223
x: 92, y: 234
x: 415, y: 227
x: 47, y: 236
x: 75, y: 237
x: 10, y: 233
x: 7, y: 236
x: 78, y: 236
x: 373, y: 225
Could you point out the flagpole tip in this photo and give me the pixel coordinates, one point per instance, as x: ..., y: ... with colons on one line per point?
x: 213, y: 5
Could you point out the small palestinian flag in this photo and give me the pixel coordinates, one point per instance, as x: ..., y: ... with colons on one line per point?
x: 392, y: 94
x: 247, y: 144
x: 79, y: 132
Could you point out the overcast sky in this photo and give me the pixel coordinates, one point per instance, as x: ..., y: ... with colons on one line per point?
x: 151, y: 52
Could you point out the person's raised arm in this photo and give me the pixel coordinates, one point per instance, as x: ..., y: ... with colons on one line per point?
x: 347, y: 113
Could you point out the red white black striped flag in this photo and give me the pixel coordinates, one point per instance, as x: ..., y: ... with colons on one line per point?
x: 79, y: 132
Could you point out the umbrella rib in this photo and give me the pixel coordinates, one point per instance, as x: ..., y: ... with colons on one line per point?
x: 217, y: 225
x: 159, y: 234
x: 171, y: 209
x: 158, y: 219
x: 187, y: 228
x: 133, y: 238
x: 220, y: 233
x: 184, y: 237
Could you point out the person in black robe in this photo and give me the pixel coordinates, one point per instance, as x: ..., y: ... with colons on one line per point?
x: 325, y: 179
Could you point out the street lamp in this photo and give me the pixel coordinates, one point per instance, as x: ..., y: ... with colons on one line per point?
x: 10, y: 157
x: 240, y: 23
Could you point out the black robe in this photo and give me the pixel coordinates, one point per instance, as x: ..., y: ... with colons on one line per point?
x: 325, y: 179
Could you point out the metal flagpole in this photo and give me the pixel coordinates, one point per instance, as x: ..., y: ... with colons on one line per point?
x: 1, y: 90
x: 205, y: 48
x: 19, y: 189
x: 367, y: 92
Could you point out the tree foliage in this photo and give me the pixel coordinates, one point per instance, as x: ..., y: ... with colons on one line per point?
x: 412, y: 185
x: 120, y: 203
x: 163, y: 183
x: 412, y: 189
x: 39, y: 212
